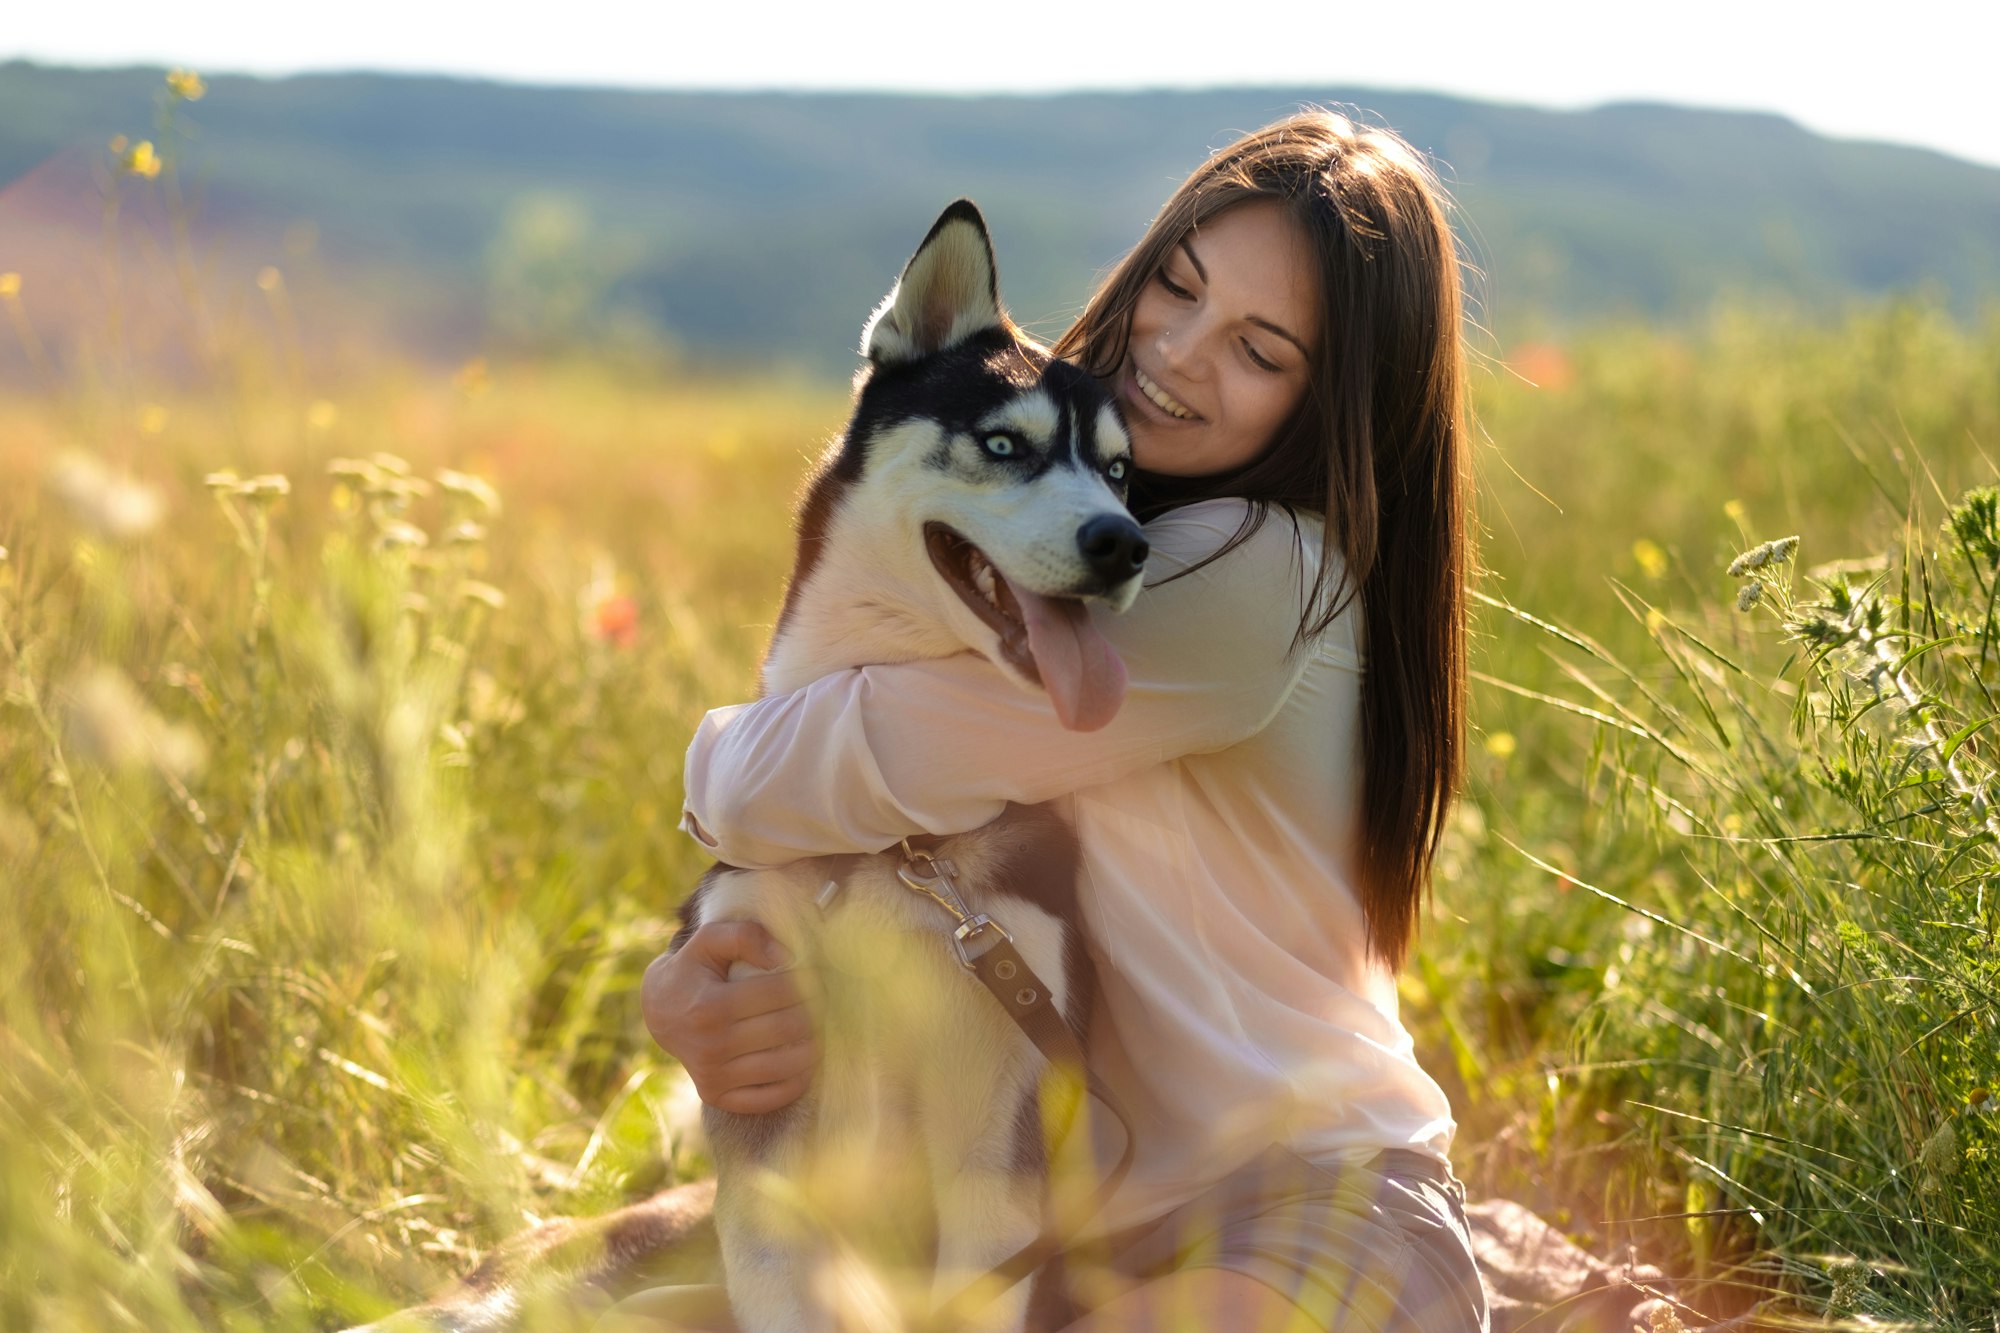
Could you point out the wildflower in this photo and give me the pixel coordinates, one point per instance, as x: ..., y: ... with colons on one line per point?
x: 472, y: 590
x: 352, y: 469
x: 464, y: 533
x: 398, y: 535
x: 140, y: 160
x: 1652, y: 560
x: 1733, y: 510
x: 615, y: 620
x: 321, y: 415
x: 225, y: 482
x: 476, y: 489
x: 10, y: 285
x: 1770, y: 553
x: 390, y: 464
x: 267, y: 488
x: 1500, y: 744
x: 112, y: 505
x: 1749, y: 595
x: 185, y: 85
x: 1662, y: 1319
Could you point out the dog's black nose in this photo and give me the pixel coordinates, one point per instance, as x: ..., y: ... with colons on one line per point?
x: 1113, y: 547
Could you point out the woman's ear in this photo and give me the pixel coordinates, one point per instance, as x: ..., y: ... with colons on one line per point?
x: 949, y: 291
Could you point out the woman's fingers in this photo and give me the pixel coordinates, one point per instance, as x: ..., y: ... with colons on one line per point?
x: 778, y: 1067
x: 762, y: 1098
x: 767, y: 1031
x: 722, y: 943
x: 740, y: 1001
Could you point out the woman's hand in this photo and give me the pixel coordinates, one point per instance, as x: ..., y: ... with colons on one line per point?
x: 749, y: 1044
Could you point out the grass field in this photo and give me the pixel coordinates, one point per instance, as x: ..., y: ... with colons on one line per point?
x: 339, y: 766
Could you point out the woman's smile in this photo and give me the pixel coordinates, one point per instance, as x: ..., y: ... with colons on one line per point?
x: 1159, y: 397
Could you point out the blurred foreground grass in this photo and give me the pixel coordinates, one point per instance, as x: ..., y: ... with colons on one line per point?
x: 339, y: 766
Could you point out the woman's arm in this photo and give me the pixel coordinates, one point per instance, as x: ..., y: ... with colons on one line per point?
x: 861, y: 758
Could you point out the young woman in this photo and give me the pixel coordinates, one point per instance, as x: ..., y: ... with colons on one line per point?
x: 1258, y: 821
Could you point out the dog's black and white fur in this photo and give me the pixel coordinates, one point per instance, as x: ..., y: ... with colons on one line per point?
x: 975, y: 501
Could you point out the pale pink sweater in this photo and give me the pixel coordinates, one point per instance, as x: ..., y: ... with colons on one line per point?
x: 1218, y: 816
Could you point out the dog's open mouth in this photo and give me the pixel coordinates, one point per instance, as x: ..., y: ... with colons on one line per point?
x: 1049, y: 640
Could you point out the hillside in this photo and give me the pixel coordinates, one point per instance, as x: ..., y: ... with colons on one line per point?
x: 765, y: 225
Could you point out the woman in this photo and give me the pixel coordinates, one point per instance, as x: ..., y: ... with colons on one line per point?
x: 1258, y: 821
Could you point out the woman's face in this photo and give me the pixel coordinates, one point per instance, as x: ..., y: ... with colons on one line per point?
x: 1221, y: 339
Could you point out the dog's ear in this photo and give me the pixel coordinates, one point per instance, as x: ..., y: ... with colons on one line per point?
x: 949, y: 291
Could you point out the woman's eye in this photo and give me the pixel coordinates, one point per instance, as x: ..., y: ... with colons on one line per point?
x: 1258, y: 359
x: 1000, y: 446
x: 1116, y: 471
x: 1174, y: 288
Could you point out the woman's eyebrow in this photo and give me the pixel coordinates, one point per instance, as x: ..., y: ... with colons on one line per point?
x: 1282, y: 332
x: 1201, y: 271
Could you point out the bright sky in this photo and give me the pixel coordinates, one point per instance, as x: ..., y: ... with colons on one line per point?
x: 1915, y: 71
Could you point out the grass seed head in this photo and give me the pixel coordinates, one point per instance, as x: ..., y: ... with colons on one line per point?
x: 107, y: 720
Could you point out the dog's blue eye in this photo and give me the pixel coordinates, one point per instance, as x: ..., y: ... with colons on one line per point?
x: 1116, y: 471
x: 1000, y: 446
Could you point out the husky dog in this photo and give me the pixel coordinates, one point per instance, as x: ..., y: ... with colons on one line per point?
x: 974, y: 502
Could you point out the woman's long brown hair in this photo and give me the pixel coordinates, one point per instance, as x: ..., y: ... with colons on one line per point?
x: 1376, y: 447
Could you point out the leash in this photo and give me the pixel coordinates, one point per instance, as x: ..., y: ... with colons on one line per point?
x: 986, y: 949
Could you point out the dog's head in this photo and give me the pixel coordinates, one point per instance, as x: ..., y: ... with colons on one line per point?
x: 982, y: 482
x: 1018, y: 464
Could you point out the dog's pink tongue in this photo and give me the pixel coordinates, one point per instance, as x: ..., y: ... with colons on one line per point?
x: 1082, y: 673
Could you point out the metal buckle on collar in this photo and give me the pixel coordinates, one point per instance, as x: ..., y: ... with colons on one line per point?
x: 977, y: 933
x: 978, y: 927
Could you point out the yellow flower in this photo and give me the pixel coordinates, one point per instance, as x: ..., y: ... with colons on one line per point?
x: 321, y: 415
x: 1656, y: 620
x: 10, y: 284
x: 140, y: 160
x: 1652, y: 560
x: 152, y: 419
x: 1500, y: 744
x: 186, y: 85
x: 1733, y: 510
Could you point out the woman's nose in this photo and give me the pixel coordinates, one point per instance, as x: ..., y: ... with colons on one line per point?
x: 1179, y: 348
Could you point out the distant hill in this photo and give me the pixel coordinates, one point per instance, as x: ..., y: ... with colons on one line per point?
x: 766, y: 225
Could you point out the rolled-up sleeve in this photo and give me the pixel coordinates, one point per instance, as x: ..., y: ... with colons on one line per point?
x: 863, y: 757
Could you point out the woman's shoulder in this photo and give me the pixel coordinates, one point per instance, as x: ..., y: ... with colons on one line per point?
x: 1198, y: 532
